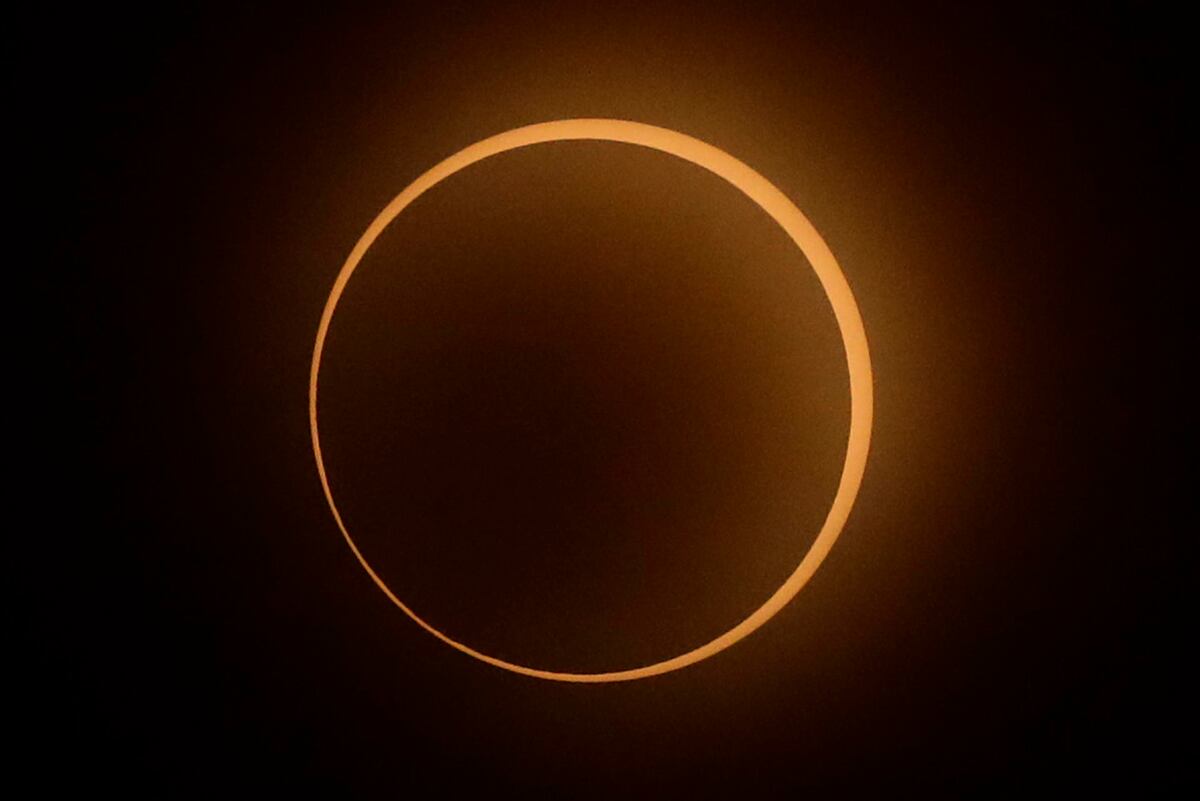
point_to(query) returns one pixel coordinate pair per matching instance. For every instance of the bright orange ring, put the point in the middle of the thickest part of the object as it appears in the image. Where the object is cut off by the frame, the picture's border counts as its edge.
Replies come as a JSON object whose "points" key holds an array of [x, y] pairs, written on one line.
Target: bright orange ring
{"points": [[797, 226]]}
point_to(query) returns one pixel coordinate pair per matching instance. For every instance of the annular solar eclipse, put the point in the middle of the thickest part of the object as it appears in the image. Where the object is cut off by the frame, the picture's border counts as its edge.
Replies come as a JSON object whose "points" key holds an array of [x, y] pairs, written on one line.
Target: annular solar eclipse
{"points": [[785, 214]]}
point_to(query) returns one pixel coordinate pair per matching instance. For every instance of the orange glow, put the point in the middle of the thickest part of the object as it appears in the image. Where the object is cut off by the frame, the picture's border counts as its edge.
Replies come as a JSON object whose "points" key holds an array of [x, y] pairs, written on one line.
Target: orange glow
{"points": [[793, 222]]}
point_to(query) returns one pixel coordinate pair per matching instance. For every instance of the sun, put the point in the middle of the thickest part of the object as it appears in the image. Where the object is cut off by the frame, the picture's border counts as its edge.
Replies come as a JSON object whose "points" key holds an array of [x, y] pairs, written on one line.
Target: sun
{"points": [[797, 227]]}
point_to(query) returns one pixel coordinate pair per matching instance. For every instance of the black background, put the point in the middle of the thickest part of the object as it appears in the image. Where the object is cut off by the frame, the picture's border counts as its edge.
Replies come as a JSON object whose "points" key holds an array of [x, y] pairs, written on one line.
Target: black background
{"points": [[1003, 188]]}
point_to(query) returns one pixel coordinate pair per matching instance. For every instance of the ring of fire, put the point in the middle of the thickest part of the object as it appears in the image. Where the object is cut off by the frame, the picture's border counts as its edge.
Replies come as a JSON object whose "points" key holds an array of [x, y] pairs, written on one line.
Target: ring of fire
{"points": [[797, 227]]}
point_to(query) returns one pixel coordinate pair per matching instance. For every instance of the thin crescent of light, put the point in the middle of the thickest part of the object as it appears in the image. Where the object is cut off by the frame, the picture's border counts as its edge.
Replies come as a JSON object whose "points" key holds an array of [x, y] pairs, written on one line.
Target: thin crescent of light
{"points": [[793, 222]]}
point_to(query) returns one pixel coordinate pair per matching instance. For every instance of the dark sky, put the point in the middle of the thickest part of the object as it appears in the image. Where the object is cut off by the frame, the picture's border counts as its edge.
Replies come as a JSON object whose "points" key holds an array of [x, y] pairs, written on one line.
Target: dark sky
{"points": [[586, 406]]}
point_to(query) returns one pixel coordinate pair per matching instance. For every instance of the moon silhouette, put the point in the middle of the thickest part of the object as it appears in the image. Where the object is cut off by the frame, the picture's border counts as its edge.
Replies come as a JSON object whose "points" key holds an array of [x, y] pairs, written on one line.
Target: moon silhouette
{"points": [[797, 227]]}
